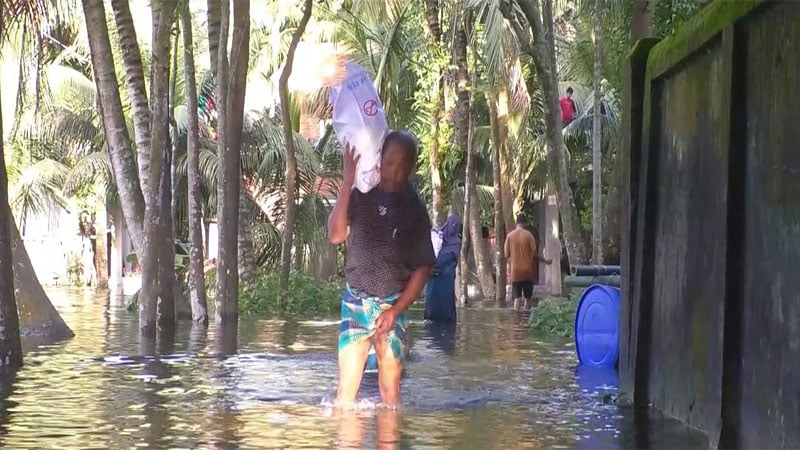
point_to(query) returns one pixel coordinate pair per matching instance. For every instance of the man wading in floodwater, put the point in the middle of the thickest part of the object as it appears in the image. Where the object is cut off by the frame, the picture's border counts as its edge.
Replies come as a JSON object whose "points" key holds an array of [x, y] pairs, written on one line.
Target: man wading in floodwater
{"points": [[389, 259]]}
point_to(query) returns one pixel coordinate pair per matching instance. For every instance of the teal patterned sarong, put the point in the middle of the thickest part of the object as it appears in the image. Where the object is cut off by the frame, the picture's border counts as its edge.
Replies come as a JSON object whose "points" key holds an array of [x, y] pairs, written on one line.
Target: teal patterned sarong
{"points": [[359, 312]]}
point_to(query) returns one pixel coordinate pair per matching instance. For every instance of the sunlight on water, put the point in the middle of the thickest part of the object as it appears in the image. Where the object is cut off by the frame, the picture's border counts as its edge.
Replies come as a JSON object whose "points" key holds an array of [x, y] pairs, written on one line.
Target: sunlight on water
{"points": [[483, 384]]}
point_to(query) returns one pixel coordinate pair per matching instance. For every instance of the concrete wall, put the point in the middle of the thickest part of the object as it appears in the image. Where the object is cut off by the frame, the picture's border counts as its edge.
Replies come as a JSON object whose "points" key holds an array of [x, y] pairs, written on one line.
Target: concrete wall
{"points": [[711, 311]]}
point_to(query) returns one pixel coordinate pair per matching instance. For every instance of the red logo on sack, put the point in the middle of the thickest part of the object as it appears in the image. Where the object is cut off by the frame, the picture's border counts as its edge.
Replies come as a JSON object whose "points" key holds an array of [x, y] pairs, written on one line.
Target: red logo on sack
{"points": [[370, 107]]}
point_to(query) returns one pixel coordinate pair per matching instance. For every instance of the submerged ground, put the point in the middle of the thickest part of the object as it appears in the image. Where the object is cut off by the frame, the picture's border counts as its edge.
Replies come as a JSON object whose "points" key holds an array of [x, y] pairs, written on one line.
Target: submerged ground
{"points": [[484, 384]]}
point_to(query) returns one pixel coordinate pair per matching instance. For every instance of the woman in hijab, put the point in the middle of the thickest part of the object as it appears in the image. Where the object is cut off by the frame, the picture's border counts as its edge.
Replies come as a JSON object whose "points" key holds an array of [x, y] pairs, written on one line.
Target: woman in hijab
{"points": [[440, 294]]}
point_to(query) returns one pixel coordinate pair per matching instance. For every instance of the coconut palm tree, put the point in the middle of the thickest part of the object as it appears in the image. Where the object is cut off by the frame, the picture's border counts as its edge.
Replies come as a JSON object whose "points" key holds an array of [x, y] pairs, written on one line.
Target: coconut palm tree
{"points": [[197, 285], [15, 268], [291, 159], [36, 312], [536, 41]]}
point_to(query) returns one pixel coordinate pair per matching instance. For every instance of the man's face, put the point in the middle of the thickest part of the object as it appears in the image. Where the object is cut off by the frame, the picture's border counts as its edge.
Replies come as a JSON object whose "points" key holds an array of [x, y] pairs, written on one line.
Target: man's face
{"points": [[396, 165], [569, 94]]}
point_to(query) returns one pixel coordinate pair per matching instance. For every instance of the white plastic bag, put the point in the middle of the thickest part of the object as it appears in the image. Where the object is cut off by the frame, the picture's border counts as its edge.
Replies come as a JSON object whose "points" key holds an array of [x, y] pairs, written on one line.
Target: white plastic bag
{"points": [[359, 119]]}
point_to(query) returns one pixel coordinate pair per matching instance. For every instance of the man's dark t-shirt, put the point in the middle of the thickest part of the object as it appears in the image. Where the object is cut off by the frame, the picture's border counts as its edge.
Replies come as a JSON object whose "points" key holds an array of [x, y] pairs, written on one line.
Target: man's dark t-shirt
{"points": [[390, 237]]}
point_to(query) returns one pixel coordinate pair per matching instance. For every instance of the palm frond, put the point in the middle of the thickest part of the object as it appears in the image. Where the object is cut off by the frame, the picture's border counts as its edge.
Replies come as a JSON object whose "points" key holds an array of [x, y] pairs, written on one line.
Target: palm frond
{"points": [[92, 168], [18, 12], [38, 189], [69, 88], [485, 194], [66, 134]]}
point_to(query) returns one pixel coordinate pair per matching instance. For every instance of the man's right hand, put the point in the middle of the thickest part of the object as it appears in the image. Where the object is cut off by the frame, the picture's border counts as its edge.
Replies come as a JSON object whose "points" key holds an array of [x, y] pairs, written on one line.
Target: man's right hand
{"points": [[350, 164]]}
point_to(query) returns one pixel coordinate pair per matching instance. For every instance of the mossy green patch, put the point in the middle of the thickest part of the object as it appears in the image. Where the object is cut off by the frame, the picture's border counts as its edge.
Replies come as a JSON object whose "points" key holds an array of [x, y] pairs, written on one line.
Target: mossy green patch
{"points": [[697, 32]]}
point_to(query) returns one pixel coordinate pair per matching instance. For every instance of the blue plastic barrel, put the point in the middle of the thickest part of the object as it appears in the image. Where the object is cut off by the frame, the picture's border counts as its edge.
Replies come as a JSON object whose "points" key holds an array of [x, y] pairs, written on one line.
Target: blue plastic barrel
{"points": [[597, 326]]}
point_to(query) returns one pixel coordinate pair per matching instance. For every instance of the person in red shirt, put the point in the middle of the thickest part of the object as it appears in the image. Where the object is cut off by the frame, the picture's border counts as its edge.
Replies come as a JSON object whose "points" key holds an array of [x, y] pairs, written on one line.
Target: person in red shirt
{"points": [[568, 108]]}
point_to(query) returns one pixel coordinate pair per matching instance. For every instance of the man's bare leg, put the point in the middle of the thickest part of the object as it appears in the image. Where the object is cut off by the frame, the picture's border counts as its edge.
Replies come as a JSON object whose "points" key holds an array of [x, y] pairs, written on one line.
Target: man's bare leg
{"points": [[352, 359], [389, 371]]}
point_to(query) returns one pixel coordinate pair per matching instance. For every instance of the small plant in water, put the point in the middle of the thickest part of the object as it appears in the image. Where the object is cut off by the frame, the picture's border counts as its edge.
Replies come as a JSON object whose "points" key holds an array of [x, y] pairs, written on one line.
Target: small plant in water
{"points": [[555, 316]]}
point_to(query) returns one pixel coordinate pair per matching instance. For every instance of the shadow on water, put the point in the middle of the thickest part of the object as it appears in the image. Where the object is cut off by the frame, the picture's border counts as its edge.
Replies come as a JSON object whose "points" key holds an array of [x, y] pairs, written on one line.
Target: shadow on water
{"points": [[483, 383]]}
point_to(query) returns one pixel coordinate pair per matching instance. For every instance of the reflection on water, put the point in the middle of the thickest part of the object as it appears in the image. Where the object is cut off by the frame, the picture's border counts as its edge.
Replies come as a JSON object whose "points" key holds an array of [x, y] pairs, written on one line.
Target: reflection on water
{"points": [[481, 384]]}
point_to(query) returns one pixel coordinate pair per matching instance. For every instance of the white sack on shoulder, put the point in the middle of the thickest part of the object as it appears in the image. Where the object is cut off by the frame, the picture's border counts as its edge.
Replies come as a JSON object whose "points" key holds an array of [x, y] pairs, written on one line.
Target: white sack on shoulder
{"points": [[359, 119]]}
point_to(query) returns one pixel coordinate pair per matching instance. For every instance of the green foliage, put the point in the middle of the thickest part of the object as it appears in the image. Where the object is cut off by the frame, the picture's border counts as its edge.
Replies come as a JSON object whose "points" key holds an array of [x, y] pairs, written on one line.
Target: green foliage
{"points": [[556, 316], [307, 297]]}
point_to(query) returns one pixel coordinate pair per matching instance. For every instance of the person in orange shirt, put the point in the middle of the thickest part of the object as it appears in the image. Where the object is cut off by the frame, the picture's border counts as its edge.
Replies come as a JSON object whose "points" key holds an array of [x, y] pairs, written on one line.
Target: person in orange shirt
{"points": [[523, 260]]}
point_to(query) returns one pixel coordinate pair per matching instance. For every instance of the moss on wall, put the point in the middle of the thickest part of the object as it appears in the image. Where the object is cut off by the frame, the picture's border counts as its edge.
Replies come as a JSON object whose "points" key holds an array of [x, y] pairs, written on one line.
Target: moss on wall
{"points": [[707, 24]]}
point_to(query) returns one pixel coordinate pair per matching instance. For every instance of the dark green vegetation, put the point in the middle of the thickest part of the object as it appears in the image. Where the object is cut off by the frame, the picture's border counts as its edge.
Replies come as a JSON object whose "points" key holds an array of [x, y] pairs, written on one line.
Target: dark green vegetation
{"points": [[556, 316], [306, 297]]}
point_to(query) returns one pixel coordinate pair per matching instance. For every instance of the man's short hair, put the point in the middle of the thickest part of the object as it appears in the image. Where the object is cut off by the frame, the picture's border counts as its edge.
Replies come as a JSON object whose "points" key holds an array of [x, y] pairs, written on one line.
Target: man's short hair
{"points": [[520, 219], [569, 90]]}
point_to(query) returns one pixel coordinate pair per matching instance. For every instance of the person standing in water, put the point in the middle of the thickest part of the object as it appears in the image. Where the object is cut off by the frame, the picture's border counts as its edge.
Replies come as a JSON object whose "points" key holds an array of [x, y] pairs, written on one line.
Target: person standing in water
{"points": [[523, 260], [440, 293], [389, 256]]}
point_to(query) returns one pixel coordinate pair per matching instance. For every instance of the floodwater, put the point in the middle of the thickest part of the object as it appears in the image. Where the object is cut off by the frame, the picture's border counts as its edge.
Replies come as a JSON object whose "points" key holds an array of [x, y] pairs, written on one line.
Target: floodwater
{"points": [[484, 384]]}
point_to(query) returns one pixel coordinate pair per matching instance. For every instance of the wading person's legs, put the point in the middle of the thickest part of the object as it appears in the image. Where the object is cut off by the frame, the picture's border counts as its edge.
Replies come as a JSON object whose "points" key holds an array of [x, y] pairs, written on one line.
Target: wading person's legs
{"points": [[390, 368], [351, 368], [517, 294], [527, 293]]}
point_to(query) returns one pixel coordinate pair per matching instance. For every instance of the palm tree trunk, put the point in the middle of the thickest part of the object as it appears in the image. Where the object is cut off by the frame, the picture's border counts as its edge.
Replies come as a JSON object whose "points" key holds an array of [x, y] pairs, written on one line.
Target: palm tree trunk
{"points": [[480, 251], [173, 128], [227, 282], [439, 210], [247, 259], [115, 129], [134, 78], [182, 308], [153, 296], [291, 159], [166, 266], [10, 344], [506, 172], [642, 20], [37, 316], [597, 139], [214, 15], [197, 283], [499, 221], [542, 51], [232, 94], [435, 31], [464, 140]]}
